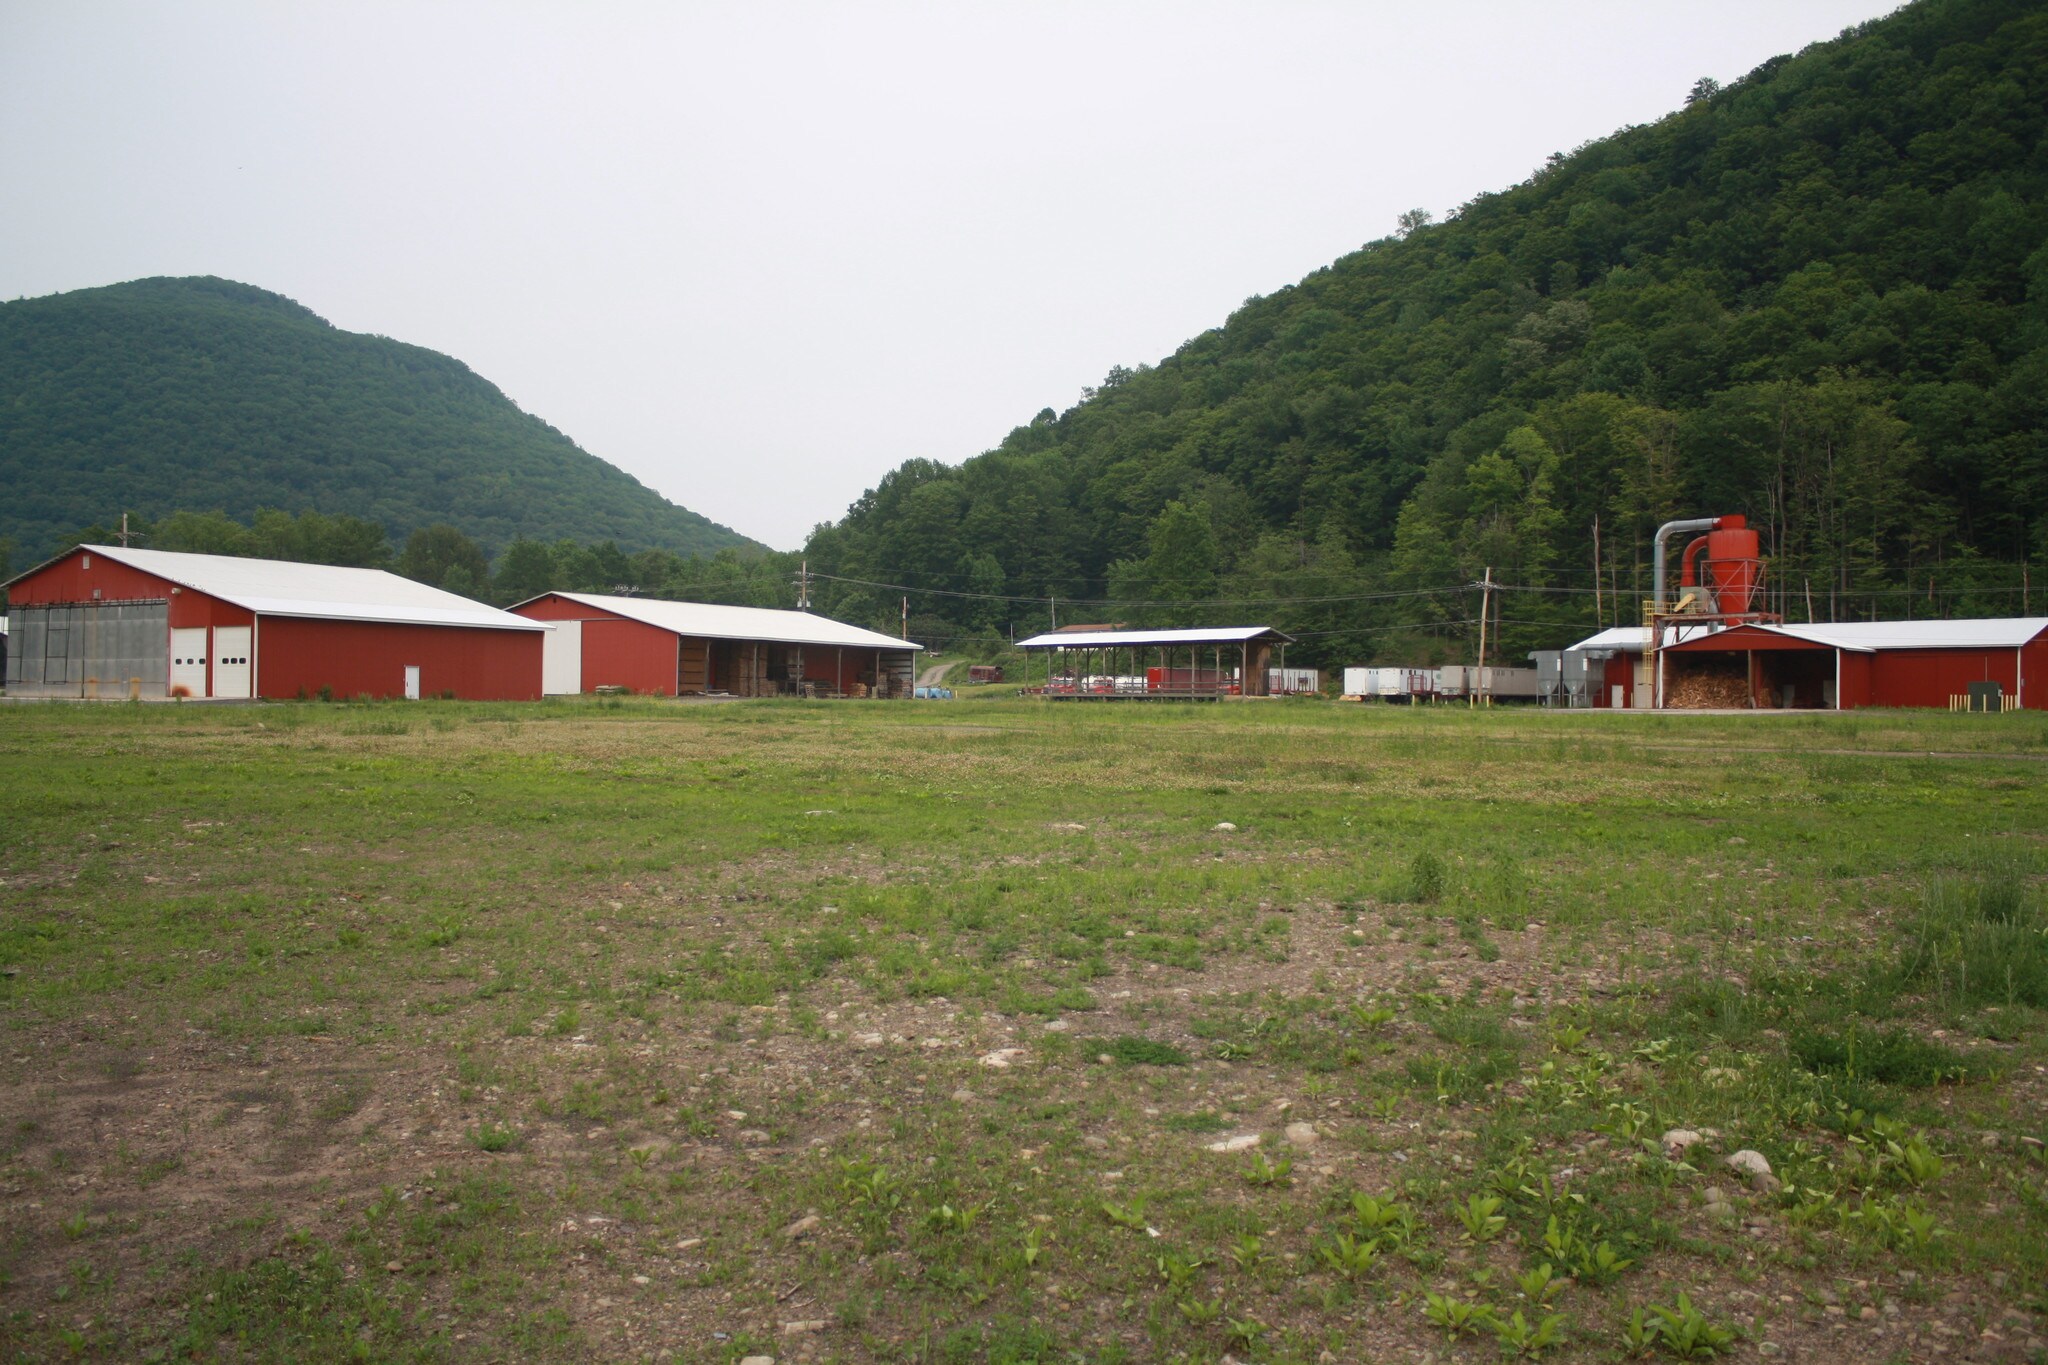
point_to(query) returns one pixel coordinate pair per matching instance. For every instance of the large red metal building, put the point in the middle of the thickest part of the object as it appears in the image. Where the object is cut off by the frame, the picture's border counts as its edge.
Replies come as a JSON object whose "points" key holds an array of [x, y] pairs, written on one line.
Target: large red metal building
{"points": [[1839, 665], [108, 621], [669, 649], [1848, 664]]}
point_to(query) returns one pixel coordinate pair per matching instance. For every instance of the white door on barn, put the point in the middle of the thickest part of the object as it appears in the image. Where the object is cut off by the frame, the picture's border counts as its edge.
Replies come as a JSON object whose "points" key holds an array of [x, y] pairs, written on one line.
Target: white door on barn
{"points": [[232, 670], [561, 659], [412, 682], [188, 662]]}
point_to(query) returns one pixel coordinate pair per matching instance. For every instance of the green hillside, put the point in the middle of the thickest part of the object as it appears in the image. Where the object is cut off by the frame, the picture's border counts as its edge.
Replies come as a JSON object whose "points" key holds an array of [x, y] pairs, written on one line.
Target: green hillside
{"points": [[1817, 296], [202, 394]]}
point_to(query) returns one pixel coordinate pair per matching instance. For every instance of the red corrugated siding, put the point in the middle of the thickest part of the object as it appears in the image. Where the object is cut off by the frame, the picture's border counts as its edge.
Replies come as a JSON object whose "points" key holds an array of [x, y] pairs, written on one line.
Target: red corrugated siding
{"points": [[1855, 686], [1929, 677], [355, 658], [837, 665], [616, 652], [1738, 639], [1619, 670], [2034, 675], [70, 580], [554, 608], [628, 654]]}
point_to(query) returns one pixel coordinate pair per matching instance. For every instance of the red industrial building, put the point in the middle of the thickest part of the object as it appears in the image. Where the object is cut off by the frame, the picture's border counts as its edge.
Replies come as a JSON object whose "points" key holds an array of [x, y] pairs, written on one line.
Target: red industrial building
{"points": [[1840, 665], [1849, 664], [1709, 646], [669, 649], [108, 621]]}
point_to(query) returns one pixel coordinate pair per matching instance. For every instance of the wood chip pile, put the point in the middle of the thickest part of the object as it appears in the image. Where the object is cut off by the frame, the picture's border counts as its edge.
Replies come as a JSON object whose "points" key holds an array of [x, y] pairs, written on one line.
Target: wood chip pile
{"points": [[1706, 691]]}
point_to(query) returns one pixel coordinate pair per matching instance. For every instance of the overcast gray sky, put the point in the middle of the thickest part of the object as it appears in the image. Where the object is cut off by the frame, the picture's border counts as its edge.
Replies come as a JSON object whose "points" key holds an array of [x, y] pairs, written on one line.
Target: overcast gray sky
{"points": [[758, 254]]}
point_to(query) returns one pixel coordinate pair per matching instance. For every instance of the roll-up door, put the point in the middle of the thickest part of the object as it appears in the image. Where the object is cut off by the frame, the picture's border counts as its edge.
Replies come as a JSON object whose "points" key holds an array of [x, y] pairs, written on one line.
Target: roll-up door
{"points": [[232, 662], [188, 661]]}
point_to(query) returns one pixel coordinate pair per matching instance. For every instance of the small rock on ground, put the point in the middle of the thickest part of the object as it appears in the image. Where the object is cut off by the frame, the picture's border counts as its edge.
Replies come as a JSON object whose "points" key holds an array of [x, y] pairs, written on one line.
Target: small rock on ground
{"points": [[1302, 1134], [1754, 1167], [1236, 1144], [1678, 1141], [803, 1227]]}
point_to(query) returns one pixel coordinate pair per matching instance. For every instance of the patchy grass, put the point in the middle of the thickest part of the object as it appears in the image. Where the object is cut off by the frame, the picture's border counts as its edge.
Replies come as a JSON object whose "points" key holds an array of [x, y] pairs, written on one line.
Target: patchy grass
{"points": [[477, 1032]]}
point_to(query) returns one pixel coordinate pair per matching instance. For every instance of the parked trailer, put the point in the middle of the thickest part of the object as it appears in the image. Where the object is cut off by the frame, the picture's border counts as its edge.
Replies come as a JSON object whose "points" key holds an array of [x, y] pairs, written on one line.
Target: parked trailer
{"points": [[1389, 684], [1512, 684], [1459, 682]]}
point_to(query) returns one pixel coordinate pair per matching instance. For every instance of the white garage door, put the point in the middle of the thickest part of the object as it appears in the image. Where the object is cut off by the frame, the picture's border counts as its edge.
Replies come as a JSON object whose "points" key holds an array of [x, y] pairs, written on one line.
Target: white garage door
{"points": [[233, 669], [188, 661]]}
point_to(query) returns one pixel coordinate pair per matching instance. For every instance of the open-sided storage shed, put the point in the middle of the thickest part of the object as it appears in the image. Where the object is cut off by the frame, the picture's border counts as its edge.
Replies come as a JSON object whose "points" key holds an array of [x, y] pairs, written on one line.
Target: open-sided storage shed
{"points": [[1193, 664], [109, 621], [669, 649]]}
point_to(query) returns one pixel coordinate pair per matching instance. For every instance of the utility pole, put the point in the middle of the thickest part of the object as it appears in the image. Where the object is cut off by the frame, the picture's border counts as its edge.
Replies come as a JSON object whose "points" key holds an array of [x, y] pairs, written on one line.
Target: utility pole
{"points": [[1599, 616], [124, 530], [906, 618], [1054, 602], [1485, 606], [803, 584]]}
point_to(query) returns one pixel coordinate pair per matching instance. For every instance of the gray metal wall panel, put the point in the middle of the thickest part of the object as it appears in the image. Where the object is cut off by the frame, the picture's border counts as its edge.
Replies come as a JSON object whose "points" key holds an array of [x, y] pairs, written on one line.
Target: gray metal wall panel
{"points": [[58, 649]]}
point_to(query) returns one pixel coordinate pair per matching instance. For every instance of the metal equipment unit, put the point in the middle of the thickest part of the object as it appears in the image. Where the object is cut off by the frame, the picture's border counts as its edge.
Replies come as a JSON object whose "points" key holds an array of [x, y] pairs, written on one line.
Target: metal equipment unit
{"points": [[1293, 682], [1562, 677], [1717, 597]]}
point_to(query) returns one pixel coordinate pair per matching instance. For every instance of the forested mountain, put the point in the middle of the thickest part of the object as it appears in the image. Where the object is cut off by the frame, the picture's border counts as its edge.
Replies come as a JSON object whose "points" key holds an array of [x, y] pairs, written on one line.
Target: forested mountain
{"points": [[1817, 296], [198, 395]]}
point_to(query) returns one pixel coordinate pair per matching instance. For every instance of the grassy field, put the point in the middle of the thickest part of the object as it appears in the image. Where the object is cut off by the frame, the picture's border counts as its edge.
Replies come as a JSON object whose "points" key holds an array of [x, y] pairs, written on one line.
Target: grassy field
{"points": [[994, 1030]]}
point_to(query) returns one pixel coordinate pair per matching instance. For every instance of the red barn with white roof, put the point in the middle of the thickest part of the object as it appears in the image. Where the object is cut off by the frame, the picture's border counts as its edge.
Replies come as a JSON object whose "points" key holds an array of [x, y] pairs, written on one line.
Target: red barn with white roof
{"points": [[1836, 666], [109, 621], [669, 649], [1848, 664]]}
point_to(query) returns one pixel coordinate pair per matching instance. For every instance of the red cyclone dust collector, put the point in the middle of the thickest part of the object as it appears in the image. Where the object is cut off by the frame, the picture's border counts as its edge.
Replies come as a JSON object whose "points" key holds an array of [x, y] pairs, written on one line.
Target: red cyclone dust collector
{"points": [[1734, 565]]}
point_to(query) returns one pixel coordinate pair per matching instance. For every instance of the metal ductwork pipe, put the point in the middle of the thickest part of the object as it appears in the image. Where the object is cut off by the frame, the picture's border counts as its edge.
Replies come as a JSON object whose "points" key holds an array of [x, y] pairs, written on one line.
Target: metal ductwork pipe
{"points": [[1664, 533]]}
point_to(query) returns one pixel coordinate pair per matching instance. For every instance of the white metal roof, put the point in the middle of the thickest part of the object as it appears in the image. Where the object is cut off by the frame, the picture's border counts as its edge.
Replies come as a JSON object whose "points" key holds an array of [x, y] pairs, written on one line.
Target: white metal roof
{"points": [[1636, 639], [711, 621], [1863, 637], [275, 587], [1118, 639]]}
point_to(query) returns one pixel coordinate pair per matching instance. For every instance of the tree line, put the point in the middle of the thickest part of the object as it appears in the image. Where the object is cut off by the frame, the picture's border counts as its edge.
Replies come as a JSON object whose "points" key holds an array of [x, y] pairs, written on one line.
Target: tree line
{"points": [[1816, 296]]}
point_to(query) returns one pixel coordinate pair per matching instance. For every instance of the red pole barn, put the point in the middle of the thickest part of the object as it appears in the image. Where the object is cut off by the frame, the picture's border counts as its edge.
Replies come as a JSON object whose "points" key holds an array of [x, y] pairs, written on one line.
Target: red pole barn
{"points": [[1999, 664], [677, 649], [108, 621]]}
